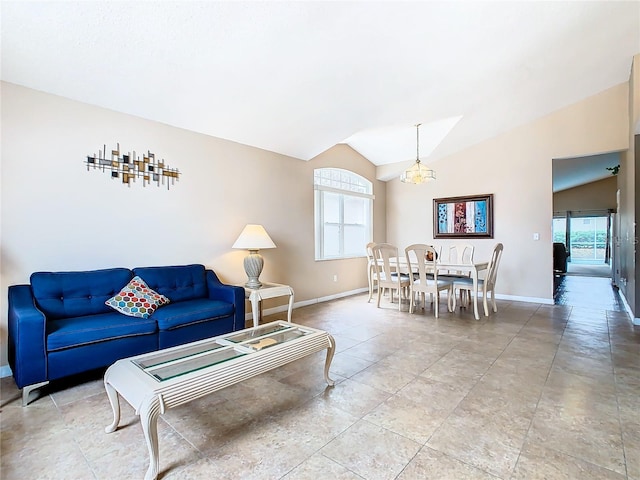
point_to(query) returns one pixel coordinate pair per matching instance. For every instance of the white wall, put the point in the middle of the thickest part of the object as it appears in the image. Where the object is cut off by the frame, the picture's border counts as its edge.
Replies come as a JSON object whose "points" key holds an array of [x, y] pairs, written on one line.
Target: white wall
{"points": [[56, 215], [516, 168]]}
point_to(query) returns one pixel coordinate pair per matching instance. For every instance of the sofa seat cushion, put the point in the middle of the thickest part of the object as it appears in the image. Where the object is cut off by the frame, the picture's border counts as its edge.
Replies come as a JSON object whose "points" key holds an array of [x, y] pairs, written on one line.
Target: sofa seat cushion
{"points": [[180, 314], [76, 331]]}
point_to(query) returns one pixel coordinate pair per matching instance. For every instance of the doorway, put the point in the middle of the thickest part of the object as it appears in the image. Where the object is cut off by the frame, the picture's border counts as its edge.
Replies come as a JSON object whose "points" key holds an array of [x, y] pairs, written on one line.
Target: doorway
{"points": [[587, 281], [587, 237]]}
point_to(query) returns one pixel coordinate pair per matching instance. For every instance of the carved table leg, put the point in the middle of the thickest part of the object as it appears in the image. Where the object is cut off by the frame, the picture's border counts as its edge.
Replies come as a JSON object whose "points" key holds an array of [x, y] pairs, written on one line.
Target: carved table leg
{"points": [[149, 419], [256, 309], [330, 351], [290, 305], [115, 406]]}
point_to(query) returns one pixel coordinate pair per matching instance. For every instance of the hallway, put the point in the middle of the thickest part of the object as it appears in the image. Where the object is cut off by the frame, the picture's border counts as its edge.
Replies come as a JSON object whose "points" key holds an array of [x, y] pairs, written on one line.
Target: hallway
{"points": [[586, 291]]}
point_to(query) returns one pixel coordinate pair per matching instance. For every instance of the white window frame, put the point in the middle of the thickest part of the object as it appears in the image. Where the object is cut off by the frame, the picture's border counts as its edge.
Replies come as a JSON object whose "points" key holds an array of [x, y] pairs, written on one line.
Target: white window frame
{"points": [[344, 183]]}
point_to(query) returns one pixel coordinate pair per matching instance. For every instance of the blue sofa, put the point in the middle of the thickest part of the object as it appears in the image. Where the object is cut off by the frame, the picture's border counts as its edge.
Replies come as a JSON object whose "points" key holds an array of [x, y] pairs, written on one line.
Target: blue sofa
{"points": [[59, 325]]}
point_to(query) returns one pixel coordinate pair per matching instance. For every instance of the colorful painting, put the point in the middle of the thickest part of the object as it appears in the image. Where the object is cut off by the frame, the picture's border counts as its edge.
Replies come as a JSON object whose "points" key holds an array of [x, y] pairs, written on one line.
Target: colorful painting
{"points": [[463, 217], [128, 167]]}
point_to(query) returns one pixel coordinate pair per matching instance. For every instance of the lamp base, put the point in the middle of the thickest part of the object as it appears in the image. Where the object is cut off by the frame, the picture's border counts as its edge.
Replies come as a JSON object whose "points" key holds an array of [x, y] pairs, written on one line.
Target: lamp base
{"points": [[253, 264]]}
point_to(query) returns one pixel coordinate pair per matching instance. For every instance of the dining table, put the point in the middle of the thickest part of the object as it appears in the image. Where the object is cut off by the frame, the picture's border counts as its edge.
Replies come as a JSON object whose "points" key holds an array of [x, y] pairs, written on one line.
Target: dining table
{"points": [[471, 268]]}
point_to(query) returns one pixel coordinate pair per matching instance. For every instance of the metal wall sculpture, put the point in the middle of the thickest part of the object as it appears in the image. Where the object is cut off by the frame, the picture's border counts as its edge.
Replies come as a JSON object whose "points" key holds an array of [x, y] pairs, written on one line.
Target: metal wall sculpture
{"points": [[129, 167]]}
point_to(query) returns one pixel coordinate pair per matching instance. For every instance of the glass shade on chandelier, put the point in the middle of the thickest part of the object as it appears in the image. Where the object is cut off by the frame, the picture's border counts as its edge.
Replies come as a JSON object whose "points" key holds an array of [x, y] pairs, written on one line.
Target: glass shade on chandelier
{"points": [[417, 173], [253, 238]]}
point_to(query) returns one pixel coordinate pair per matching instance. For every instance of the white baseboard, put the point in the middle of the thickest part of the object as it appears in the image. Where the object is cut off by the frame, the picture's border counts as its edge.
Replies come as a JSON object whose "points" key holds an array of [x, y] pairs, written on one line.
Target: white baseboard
{"points": [[517, 298], [635, 320], [5, 371], [312, 301]]}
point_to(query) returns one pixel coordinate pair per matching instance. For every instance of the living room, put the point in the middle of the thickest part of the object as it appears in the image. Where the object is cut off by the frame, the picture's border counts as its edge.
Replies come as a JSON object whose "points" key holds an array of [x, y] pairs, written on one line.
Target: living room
{"points": [[58, 215]]}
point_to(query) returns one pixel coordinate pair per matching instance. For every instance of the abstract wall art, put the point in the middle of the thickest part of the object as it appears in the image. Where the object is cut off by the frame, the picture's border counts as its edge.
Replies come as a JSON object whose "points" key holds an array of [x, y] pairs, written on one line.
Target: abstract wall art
{"points": [[129, 167], [463, 217]]}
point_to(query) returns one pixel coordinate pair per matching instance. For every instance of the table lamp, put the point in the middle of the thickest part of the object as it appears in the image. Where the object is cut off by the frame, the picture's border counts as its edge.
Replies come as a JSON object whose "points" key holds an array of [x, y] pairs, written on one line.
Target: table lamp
{"points": [[253, 238]]}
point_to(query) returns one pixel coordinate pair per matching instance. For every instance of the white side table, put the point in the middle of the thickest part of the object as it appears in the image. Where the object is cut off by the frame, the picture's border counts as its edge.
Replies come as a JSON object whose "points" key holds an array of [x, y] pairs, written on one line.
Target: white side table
{"points": [[267, 290]]}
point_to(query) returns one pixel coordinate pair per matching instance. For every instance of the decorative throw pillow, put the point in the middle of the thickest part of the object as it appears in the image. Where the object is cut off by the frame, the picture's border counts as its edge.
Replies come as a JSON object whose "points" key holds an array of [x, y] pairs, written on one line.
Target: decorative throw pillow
{"points": [[136, 299]]}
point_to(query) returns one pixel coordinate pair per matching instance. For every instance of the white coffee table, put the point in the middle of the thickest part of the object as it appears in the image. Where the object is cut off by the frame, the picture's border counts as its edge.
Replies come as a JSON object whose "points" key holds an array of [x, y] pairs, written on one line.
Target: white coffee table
{"points": [[154, 382]]}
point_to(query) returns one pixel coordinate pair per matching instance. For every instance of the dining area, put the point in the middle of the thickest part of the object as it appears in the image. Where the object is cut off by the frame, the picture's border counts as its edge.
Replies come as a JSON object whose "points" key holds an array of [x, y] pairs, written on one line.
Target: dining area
{"points": [[409, 274]]}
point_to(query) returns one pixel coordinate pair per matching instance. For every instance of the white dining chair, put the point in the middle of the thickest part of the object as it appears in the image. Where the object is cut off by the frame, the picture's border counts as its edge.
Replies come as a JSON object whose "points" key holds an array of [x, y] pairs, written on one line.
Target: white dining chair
{"points": [[387, 271], [461, 253], [425, 276], [371, 266], [487, 284]]}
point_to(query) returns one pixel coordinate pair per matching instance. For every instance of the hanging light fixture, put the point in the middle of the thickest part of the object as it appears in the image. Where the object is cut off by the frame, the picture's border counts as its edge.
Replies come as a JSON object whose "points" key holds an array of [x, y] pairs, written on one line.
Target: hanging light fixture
{"points": [[417, 173]]}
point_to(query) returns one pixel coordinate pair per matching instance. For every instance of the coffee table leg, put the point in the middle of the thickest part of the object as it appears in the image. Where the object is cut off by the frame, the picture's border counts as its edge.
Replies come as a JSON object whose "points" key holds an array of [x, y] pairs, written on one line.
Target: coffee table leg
{"points": [[149, 413], [330, 351], [115, 406]]}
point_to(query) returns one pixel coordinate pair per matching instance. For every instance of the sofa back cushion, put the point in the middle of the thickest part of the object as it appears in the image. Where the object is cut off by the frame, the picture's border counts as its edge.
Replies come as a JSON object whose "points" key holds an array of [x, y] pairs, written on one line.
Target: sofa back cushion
{"points": [[177, 283], [75, 294]]}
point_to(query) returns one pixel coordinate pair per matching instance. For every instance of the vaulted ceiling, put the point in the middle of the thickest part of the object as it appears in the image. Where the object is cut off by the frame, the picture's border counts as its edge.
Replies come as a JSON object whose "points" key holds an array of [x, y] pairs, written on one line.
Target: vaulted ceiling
{"points": [[299, 77]]}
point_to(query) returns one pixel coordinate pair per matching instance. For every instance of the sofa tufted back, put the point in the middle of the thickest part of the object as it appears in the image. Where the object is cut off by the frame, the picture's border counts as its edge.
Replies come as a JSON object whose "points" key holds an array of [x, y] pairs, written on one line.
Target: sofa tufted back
{"points": [[177, 283], [74, 294]]}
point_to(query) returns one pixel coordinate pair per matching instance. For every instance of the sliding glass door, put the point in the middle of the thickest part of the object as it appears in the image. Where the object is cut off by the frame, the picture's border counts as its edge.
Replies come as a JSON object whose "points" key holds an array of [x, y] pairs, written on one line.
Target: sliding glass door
{"points": [[588, 240], [587, 236]]}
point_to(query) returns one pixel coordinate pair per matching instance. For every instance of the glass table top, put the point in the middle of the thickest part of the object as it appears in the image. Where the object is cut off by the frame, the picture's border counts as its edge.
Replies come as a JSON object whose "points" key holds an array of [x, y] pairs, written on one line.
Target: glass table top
{"points": [[165, 365]]}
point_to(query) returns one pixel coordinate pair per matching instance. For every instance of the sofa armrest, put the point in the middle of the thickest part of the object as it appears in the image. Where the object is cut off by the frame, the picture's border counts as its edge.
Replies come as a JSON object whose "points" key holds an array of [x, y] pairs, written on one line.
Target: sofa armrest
{"points": [[228, 293], [27, 337]]}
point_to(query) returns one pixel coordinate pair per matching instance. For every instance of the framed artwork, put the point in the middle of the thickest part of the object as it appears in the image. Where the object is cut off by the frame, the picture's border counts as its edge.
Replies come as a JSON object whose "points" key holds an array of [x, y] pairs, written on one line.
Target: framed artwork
{"points": [[463, 217]]}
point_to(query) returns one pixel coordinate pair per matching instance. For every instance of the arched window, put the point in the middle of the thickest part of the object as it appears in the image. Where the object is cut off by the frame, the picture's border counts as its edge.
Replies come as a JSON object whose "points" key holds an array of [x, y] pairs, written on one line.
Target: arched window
{"points": [[343, 213]]}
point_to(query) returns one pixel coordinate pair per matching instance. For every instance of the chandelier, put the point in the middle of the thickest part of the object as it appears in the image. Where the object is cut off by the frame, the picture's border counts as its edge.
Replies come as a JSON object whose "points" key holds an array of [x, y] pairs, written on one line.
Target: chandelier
{"points": [[417, 173]]}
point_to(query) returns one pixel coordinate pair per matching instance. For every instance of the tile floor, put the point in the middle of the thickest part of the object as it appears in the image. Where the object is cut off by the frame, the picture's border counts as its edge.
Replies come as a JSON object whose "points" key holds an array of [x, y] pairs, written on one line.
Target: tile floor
{"points": [[579, 290], [532, 392]]}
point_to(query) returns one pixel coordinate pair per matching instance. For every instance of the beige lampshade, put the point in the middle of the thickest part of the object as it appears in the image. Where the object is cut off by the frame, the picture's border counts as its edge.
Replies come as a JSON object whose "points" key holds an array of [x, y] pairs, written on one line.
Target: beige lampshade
{"points": [[254, 237]]}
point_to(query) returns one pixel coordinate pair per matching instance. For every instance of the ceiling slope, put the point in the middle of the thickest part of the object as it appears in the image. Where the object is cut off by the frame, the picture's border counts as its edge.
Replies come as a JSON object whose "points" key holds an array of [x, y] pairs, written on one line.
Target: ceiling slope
{"points": [[299, 77]]}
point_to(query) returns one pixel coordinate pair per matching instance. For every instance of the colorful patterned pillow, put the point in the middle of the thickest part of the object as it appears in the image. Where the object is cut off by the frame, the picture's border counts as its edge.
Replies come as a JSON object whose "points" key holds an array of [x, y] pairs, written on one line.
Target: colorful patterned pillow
{"points": [[136, 299]]}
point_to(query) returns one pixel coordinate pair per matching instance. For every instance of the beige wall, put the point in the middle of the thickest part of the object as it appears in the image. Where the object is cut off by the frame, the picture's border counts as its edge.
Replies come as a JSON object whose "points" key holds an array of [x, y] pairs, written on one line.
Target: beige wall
{"points": [[628, 202], [56, 215], [516, 168], [600, 195]]}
